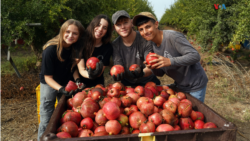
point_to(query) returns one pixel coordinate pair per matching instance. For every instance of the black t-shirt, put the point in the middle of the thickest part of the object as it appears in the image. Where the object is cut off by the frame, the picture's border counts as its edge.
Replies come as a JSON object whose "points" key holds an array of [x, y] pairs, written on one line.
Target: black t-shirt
{"points": [[103, 53], [51, 65]]}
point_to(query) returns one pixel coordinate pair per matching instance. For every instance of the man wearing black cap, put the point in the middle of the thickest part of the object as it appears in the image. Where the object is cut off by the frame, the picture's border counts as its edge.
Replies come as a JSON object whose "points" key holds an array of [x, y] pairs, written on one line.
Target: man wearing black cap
{"points": [[176, 56], [128, 49]]}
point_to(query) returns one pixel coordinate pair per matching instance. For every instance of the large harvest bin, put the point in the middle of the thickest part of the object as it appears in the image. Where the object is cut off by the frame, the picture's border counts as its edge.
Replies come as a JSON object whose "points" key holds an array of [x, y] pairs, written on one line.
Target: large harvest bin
{"points": [[226, 130]]}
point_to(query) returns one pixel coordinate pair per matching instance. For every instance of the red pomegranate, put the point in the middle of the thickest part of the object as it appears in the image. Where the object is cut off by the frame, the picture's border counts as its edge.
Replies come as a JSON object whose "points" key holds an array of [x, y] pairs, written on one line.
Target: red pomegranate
{"points": [[129, 90], [127, 111], [123, 120], [96, 96], [159, 100], [142, 100], [77, 109], [198, 124], [113, 127], [209, 125], [156, 110], [195, 115], [126, 101], [125, 130], [78, 99], [69, 127], [186, 123], [184, 109], [165, 87], [122, 93], [147, 127], [113, 92], [117, 69], [87, 123], [73, 116], [135, 131], [119, 86], [136, 119], [150, 58], [69, 103], [148, 93], [111, 110], [63, 135], [134, 97], [150, 84], [167, 116], [71, 86], [100, 129], [133, 108], [99, 86], [169, 105], [156, 118], [188, 101], [91, 62], [164, 128], [105, 100], [85, 133], [135, 67], [95, 125], [170, 91], [153, 89], [176, 101], [147, 108], [116, 100], [177, 127], [139, 90], [181, 96], [89, 108], [164, 94]]}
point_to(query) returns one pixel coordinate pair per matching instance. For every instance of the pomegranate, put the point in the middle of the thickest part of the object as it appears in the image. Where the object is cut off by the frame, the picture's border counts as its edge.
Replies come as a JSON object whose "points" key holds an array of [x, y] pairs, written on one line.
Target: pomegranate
{"points": [[123, 120], [142, 100], [69, 127], [77, 109], [136, 119], [195, 115], [85, 133], [117, 69], [153, 89], [176, 101], [129, 90], [159, 88], [198, 124], [133, 108], [209, 125], [63, 135], [126, 101], [91, 62], [73, 116], [148, 93], [116, 100], [186, 123], [127, 111], [150, 58], [188, 101], [100, 129], [71, 86], [177, 127], [156, 118], [111, 110], [87, 123], [122, 93], [78, 99], [181, 96], [96, 96], [139, 90], [184, 109], [135, 67], [119, 86], [170, 91], [99, 86], [147, 127], [164, 128], [135, 131], [113, 127], [147, 108], [169, 105], [105, 100], [95, 125], [164, 94], [134, 97], [165, 87], [156, 110], [88, 108], [125, 130], [168, 117], [113, 92], [159, 100], [69, 103], [150, 84]]}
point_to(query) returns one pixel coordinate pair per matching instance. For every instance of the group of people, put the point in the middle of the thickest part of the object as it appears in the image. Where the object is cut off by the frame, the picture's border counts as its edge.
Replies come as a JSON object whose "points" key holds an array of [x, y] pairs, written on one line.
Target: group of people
{"points": [[64, 57]]}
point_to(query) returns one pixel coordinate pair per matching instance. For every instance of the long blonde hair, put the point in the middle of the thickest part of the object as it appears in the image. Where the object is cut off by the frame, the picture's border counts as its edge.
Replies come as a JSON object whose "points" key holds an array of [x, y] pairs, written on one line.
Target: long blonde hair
{"points": [[58, 40]]}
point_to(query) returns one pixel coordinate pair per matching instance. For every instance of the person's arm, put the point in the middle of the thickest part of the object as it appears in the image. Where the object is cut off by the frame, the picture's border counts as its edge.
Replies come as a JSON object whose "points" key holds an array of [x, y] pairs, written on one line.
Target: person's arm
{"points": [[51, 82], [82, 68]]}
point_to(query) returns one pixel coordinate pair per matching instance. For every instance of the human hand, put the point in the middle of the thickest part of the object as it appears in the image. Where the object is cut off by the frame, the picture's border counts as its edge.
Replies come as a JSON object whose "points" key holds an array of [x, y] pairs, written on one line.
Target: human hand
{"points": [[63, 91], [95, 73], [159, 63], [119, 77], [136, 73]]}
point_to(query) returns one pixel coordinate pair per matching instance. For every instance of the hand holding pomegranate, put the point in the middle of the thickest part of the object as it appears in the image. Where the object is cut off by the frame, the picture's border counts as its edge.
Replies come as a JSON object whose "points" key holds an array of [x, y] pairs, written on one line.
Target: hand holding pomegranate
{"points": [[155, 61], [95, 71], [135, 71], [117, 72]]}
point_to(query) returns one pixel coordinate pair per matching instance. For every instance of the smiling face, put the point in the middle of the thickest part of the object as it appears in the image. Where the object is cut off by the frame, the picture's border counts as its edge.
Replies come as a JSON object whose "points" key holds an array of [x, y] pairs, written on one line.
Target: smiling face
{"points": [[101, 29], [123, 27], [71, 35], [148, 30]]}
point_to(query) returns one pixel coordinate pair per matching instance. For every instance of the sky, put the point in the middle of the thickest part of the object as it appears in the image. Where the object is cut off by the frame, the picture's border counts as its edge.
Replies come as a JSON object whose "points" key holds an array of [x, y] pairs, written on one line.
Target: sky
{"points": [[159, 6]]}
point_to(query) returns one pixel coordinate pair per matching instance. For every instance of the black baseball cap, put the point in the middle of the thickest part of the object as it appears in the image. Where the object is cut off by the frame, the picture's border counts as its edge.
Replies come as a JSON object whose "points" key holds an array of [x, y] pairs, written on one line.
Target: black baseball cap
{"points": [[118, 14]]}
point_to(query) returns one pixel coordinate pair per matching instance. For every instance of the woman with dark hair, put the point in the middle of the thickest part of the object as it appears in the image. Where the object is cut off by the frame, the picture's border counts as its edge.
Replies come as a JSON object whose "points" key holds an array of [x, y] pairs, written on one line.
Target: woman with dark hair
{"points": [[96, 44], [56, 69]]}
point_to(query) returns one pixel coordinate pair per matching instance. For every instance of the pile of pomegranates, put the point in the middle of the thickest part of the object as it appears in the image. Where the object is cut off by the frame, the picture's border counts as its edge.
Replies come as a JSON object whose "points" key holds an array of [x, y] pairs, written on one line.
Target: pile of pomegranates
{"points": [[117, 109]]}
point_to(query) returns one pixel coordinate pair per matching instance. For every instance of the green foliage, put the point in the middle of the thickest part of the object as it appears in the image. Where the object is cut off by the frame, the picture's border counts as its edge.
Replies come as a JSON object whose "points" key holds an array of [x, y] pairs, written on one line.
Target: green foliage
{"points": [[52, 13], [212, 27]]}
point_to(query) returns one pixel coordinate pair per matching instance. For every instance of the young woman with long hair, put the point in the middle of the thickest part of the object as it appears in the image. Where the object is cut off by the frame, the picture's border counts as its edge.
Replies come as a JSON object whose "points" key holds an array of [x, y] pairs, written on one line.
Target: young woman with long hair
{"points": [[56, 68], [96, 44]]}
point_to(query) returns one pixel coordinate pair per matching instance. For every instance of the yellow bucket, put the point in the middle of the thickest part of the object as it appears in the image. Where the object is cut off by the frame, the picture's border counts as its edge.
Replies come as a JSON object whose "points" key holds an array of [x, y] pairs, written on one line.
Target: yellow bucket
{"points": [[38, 102]]}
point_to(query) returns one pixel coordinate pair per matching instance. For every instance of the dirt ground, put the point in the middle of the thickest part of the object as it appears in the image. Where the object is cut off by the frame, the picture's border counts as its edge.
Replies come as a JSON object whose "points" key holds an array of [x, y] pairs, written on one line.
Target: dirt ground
{"points": [[19, 121]]}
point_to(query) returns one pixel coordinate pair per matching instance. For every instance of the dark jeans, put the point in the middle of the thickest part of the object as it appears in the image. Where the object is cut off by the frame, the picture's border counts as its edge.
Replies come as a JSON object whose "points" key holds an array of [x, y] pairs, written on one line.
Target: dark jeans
{"points": [[126, 83]]}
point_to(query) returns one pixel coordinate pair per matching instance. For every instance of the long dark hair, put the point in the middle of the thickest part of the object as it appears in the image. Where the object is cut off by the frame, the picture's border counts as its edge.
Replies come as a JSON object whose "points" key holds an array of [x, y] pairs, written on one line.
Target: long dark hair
{"points": [[90, 35], [58, 40]]}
